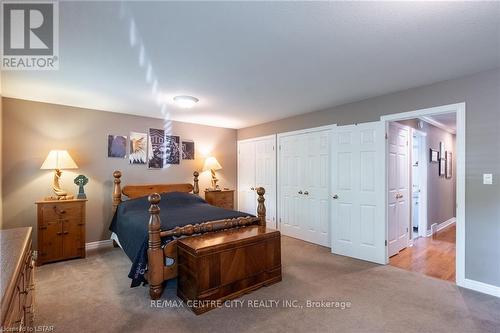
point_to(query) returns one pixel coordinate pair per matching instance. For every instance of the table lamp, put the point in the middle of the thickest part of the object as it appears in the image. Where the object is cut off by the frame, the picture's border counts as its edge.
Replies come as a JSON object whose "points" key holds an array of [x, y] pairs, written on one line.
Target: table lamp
{"points": [[212, 164], [58, 160]]}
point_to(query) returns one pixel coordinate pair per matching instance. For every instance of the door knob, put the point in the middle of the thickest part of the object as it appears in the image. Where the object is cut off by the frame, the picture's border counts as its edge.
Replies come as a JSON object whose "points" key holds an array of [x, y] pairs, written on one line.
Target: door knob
{"points": [[306, 193], [335, 196], [300, 192]]}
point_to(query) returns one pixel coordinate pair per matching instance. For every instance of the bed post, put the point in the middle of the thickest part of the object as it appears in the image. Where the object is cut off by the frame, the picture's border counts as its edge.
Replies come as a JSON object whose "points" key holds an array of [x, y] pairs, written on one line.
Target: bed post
{"points": [[196, 188], [155, 253], [261, 208], [117, 190]]}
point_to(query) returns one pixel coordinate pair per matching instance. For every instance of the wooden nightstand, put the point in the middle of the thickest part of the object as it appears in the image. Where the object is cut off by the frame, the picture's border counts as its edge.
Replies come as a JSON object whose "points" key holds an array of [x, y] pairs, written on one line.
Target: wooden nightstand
{"points": [[222, 199], [61, 230]]}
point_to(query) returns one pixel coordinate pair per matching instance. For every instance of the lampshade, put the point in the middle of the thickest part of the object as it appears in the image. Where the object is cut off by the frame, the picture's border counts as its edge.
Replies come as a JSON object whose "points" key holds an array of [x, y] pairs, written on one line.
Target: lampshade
{"points": [[58, 159], [211, 163]]}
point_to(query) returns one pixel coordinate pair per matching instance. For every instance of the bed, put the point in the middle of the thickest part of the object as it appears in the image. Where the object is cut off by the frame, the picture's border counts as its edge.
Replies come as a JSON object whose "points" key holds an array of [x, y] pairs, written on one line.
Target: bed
{"points": [[173, 211]]}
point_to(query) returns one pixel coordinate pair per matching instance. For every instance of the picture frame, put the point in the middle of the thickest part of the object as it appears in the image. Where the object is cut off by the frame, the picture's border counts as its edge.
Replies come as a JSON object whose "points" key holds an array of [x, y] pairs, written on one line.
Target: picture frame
{"points": [[449, 165], [117, 146], [188, 152], [442, 166], [433, 155], [442, 153]]}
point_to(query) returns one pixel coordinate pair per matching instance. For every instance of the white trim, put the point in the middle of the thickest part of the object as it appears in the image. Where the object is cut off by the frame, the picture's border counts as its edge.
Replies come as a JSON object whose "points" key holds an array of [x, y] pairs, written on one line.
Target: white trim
{"points": [[446, 223], [307, 130], [481, 287], [99, 244], [422, 213], [441, 226], [459, 108], [438, 124], [266, 137]]}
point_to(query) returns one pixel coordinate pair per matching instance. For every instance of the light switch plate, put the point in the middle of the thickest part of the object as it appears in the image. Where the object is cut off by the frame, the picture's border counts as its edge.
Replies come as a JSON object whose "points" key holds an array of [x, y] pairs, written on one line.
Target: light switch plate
{"points": [[487, 178]]}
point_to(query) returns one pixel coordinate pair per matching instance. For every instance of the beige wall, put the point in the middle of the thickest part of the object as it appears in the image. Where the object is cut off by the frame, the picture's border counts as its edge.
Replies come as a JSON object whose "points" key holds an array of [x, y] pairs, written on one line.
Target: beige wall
{"points": [[481, 94], [1, 177], [31, 129]]}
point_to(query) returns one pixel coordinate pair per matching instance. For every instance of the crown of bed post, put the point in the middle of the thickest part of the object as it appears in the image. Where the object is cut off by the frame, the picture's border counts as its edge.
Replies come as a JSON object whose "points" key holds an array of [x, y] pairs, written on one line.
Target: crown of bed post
{"points": [[155, 253], [261, 207], [117, 190], [196, 188]]}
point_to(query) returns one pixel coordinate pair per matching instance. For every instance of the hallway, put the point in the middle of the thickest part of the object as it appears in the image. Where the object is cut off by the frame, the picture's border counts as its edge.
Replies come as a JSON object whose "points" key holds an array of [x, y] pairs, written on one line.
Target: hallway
{"points": [[433, 256]]}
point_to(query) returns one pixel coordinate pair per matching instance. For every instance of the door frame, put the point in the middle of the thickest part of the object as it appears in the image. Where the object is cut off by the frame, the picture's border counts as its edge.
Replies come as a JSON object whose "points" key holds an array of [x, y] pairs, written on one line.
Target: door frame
{"points": [[266, 137], [459, 109], [422, 169], [278, 149]]}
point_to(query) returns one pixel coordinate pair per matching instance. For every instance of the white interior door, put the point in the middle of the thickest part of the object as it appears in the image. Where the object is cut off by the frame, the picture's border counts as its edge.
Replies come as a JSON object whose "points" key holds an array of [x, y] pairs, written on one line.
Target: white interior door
{"points": [[247, 201], [265, 175], [358, 210], [304, 186], [398, 195], [316, 188], [291, 170]]}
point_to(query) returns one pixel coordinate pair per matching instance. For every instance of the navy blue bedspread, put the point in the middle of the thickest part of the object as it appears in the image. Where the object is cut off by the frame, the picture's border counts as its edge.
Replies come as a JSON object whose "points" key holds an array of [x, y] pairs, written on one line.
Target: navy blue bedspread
{"points": [[130, 224]]}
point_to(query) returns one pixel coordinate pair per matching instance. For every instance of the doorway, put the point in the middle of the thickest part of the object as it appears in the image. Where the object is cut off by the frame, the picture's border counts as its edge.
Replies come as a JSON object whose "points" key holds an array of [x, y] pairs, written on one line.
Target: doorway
{"points": [[424, 191]]}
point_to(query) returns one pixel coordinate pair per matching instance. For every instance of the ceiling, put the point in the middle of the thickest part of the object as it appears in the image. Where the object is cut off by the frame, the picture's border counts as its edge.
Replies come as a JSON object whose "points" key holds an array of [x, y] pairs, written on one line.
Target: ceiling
{"points": [[446, 121], [253, 62]]}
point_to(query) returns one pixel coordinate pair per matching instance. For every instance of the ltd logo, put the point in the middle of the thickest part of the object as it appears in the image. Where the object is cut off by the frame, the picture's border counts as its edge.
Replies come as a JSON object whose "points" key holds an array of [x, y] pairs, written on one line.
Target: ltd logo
{"points": [[30, 35]]}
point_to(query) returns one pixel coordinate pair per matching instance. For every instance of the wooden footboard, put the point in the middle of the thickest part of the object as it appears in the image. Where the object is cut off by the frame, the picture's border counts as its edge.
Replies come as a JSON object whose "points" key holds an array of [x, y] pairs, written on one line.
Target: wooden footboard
{"points": [[158, 270]]}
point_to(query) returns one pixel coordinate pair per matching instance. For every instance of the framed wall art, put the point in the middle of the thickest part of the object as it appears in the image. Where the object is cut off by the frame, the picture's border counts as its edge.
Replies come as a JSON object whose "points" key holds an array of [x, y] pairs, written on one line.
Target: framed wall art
{"points": [[117, 146], [449, 164], [138, 146], [433, 155]]}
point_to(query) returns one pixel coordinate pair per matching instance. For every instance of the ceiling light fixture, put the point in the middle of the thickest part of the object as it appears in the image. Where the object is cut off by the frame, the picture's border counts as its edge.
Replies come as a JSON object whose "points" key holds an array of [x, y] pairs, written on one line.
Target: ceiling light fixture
{"points": [[185, 102]]}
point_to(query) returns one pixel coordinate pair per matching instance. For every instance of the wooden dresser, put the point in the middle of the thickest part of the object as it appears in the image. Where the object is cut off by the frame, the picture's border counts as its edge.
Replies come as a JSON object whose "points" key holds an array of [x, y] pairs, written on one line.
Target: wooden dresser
{"points": [[219, 266], [61, 230], [222, 199], [17, 283]]}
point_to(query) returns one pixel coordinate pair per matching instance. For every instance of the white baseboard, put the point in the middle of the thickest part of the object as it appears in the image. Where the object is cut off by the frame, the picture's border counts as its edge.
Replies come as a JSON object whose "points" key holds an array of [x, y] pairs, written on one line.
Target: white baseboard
{"points": [[99, 244], [480, 287], [442, 225]]}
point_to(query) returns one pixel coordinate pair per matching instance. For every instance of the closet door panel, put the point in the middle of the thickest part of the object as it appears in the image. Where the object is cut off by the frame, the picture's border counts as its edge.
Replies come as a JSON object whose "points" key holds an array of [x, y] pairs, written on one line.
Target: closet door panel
{"points": [[265, 175], [304, 177], [247, 199]]}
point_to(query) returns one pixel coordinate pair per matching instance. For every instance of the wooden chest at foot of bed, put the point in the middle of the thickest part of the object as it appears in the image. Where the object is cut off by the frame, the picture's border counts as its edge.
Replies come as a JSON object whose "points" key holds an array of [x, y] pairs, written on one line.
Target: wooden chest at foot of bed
{"points": [[219, 266]]}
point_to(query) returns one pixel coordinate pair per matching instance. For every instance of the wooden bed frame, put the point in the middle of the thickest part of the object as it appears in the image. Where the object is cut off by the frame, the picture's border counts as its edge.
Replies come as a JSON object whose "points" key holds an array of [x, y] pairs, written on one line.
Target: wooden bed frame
{"points": [[158, 271]]}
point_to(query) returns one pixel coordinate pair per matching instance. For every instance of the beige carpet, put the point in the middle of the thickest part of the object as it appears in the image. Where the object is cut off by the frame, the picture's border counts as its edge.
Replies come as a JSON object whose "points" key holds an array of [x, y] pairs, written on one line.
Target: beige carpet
{"points": [[93, 295]]}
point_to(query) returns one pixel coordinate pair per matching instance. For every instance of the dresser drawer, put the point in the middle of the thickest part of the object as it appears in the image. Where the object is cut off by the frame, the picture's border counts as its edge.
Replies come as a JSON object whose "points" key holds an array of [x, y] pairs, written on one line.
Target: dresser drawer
{"points": [[57, 211], [222, 199]]}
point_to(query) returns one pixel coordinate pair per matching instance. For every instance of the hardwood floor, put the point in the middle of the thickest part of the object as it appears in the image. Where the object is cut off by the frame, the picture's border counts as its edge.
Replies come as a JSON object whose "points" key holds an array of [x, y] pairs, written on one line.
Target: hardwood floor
{"points": [[433, 256]]}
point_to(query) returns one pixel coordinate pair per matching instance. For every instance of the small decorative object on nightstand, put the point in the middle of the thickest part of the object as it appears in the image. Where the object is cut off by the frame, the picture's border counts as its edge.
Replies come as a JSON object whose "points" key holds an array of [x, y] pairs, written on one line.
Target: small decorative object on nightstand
{"points": [[212, 164], [222, 199], [58, 160], [61, 230], [81, 181]]}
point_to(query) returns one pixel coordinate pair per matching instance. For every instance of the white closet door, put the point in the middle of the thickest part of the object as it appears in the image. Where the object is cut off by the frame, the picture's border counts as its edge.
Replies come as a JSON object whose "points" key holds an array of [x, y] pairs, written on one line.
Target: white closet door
{"points": [[265, 175], [316, 186], [398, 208], [304, 186], [291, 170], [358, 211], [247, 200]]}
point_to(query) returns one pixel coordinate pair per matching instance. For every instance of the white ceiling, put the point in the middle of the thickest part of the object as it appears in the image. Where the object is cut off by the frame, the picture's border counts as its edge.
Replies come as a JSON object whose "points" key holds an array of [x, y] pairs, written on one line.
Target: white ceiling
{"points": [[250, 63], [447, 121]]}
